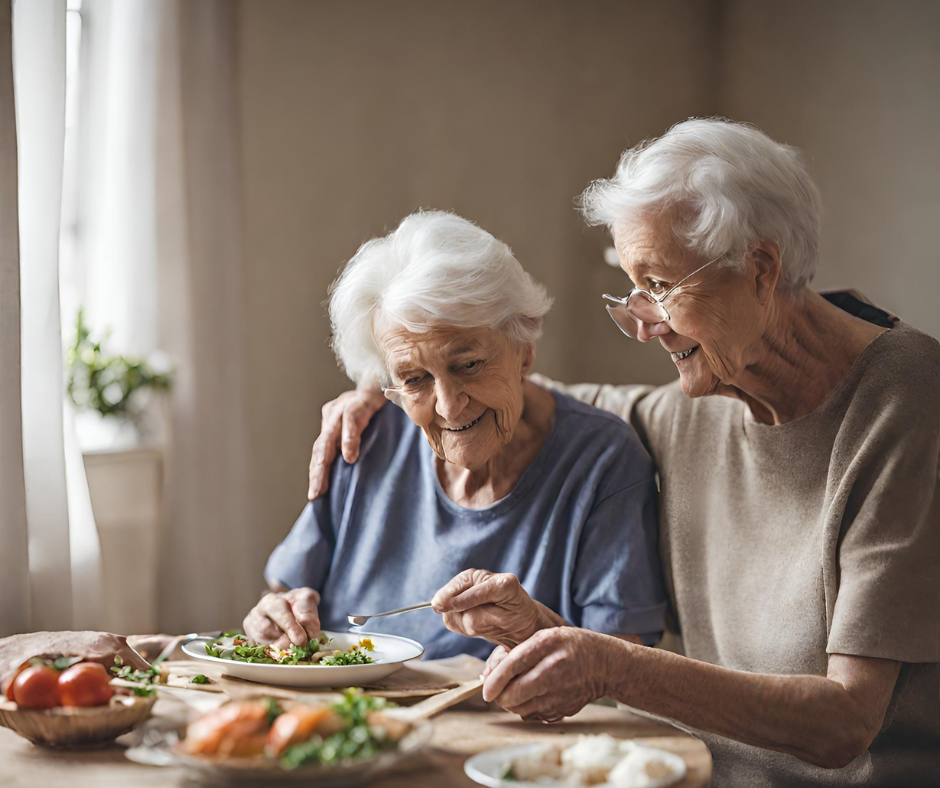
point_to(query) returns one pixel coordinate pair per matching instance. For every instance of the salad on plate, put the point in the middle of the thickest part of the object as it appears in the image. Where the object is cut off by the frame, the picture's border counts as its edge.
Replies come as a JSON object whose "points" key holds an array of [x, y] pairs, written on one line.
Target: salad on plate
{"points": [[239, 648]]}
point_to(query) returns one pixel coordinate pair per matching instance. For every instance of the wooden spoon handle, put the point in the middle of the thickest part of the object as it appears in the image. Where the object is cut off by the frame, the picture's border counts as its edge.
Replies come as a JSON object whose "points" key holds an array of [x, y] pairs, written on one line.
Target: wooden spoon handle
{"points": [[437, 703]]}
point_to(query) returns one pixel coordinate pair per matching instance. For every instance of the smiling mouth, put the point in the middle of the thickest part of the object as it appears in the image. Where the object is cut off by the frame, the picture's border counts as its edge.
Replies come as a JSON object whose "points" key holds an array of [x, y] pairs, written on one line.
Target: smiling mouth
{"points": [[685, 353], [466, 426]]}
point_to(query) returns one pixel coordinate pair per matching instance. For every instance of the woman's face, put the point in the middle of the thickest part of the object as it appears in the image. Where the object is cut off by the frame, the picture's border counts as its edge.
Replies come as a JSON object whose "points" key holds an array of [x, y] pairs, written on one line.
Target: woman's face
{"points": [[719, 314], [468, 388]]}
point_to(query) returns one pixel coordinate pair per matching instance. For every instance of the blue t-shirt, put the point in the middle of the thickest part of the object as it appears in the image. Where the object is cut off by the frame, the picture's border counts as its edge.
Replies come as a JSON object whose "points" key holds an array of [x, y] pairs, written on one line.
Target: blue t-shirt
{"points": [[578, 530]]}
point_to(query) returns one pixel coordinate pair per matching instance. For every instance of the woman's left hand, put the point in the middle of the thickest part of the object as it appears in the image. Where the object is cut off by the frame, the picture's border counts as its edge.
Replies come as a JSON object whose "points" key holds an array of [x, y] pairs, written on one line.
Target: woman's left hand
{"points": [[552, 675], [481, 604]]}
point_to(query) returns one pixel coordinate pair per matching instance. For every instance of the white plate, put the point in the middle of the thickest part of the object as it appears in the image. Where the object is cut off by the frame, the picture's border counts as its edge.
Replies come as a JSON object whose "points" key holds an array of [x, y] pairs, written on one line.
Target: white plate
{"points": [[391, 652], [270, 773], [485, 768]]}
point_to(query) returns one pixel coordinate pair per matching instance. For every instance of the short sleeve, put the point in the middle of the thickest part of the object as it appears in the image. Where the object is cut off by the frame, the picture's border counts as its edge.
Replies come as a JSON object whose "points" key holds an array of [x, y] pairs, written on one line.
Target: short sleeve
{"points": [[303, 559], [888, 557], [617, 587]]}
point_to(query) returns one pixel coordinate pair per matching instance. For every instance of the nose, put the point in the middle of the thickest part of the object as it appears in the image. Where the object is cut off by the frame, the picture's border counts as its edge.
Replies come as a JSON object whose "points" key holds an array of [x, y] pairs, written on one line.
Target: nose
{"points": [[646, 331], [451, 402]]}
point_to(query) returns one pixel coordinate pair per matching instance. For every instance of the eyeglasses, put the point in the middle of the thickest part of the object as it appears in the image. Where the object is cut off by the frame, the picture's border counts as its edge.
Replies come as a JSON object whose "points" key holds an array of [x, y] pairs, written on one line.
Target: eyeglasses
{"points": [[640, 305], [412, 389]]}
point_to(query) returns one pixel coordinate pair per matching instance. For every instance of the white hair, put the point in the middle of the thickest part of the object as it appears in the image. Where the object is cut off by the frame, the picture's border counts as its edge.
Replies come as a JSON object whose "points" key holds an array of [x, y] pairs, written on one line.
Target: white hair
{"points": [[435, 269], [725, 186]]}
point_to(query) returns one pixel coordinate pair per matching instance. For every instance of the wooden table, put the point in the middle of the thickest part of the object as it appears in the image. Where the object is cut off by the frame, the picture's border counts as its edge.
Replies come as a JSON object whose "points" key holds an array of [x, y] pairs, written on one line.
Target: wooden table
{"points": [[458, 734]]}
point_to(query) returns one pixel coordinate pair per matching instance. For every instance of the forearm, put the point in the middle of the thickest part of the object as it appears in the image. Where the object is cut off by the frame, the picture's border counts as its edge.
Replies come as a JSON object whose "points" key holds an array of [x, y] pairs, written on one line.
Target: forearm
{"points": [[811, 717]]}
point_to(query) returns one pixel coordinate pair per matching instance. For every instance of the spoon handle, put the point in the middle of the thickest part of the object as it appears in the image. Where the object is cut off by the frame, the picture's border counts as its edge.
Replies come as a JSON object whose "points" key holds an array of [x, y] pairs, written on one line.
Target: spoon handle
{"points": [[359, 620]]}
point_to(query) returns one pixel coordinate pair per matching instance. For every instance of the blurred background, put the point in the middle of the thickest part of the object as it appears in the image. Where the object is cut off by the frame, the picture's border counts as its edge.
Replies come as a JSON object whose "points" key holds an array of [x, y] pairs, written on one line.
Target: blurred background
{"points": [[223, 158]]}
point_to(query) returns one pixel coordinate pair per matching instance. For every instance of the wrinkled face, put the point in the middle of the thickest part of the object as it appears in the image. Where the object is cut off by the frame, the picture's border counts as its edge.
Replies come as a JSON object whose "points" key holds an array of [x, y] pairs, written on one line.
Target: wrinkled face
{"points": [[716, 314], [467, 388]]}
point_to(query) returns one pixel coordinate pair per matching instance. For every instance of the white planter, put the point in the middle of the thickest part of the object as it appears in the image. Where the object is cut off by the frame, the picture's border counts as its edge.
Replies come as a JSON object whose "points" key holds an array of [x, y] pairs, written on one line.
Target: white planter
{"points": [[125, 486]]}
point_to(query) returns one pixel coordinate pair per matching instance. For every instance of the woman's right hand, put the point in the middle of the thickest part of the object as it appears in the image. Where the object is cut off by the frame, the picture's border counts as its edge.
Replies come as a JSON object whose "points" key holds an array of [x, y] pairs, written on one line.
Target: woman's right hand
{"points": [[343, 421], [285, 618], [481, 604]]}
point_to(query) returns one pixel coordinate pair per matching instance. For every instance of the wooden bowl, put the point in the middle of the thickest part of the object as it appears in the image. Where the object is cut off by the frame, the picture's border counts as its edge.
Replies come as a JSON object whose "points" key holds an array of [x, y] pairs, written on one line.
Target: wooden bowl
{"points": [[67, 726]]}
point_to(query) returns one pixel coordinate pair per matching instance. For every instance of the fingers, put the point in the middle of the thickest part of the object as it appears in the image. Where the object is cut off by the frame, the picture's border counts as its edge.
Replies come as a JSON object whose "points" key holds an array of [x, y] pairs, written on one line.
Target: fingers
{"points": [[520, 660], [499, 654], [494, 590], [343, 421], [355, 417], [324, 450], [260, 628], [303, 603], [278, 609], [442, 602], [538, 709]]}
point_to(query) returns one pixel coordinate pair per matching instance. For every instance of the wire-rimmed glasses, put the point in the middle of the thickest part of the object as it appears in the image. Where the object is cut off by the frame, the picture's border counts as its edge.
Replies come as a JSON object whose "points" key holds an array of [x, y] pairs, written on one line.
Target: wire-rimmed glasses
{"points": [[641, 305], [412, 389]]}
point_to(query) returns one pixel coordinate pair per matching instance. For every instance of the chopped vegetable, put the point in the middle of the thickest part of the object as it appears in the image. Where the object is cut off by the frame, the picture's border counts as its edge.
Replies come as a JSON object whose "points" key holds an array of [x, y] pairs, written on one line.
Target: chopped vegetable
{"points": [[237, 647], [274, 710], [142, 677], [355, 656], [199, 679], [358, 741]]}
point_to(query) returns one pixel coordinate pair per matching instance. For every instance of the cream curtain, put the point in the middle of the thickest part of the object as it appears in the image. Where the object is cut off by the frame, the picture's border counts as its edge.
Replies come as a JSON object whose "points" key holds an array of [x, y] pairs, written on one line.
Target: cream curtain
{"points": [[55, 582], [206, 578], [14, 561], [161, 265]]}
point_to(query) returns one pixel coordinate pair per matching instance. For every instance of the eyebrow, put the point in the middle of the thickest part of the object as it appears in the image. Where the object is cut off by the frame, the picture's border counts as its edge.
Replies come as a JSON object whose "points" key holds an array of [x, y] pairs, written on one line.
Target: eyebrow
{"points": [[464, 349]]}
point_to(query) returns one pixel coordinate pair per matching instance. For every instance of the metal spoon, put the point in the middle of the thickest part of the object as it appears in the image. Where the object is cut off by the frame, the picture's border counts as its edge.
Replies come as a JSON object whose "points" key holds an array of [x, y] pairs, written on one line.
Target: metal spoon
{"points": [[358, 621]]}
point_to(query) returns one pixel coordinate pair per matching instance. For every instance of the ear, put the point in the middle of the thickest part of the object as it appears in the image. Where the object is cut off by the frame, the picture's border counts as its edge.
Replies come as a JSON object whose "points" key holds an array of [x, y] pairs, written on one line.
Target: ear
{"points": [[528, 358], [765, 257]]}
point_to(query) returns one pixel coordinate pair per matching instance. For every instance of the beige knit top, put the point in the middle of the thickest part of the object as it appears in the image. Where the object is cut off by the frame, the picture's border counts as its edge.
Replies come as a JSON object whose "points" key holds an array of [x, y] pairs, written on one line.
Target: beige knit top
{"points": [[783, 544]]}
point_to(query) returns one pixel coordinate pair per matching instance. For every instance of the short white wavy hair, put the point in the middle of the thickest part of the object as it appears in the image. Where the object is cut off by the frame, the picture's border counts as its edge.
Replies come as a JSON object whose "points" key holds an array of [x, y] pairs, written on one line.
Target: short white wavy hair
{"points": [[435, 269], [725, 185]]}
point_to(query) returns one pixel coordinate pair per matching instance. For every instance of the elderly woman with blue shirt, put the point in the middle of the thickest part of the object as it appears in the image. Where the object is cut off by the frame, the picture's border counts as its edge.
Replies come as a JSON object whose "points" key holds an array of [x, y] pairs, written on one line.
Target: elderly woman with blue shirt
{"points": [[479, 482]]}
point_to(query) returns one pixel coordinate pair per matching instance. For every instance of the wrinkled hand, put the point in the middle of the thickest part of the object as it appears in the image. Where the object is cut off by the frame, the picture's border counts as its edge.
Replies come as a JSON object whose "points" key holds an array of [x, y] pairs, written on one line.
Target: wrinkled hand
{"points": [[343, 422], [100, 647], [480, 604], [285, 618], [498, 655], [554, 674]]}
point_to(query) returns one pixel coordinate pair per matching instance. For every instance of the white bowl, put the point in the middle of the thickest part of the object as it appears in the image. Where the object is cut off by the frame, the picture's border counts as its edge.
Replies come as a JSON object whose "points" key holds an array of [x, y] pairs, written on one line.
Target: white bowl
{"points": [[391, 652]]}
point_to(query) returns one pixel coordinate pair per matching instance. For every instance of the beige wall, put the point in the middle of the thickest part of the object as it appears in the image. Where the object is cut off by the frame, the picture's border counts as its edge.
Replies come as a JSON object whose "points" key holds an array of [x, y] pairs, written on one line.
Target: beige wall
{"points": [[357, 113], [856, 85]]}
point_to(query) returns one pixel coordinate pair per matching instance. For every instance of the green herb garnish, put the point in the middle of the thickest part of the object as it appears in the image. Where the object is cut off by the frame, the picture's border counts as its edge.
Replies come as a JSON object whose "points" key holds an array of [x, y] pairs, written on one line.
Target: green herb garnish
{"points": [[143, 677], [274, 710], [358, 741], [199, 679], [243, 650], [354, 656], [63, 663]]}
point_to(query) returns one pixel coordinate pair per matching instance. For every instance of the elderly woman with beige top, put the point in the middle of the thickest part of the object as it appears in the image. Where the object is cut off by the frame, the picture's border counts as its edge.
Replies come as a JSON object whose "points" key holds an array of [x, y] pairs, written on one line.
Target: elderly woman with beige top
{"points": [[798, 456]]}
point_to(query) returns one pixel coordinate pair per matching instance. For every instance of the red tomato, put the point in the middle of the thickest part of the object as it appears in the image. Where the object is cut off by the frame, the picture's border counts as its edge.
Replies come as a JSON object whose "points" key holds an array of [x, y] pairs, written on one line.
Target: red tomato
{"points": [[37, 688], [85, 684], [9, 689]]}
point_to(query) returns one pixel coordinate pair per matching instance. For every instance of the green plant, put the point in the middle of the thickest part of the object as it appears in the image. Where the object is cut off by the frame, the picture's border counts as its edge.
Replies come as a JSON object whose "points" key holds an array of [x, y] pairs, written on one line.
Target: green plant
{"points": [[105, 383]]}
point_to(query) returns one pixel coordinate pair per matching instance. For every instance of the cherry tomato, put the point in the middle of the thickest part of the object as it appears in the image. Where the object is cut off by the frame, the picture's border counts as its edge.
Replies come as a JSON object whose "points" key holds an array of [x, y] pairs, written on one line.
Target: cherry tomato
{"points": [[37, 687], [9, 689], [85, 684]]}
